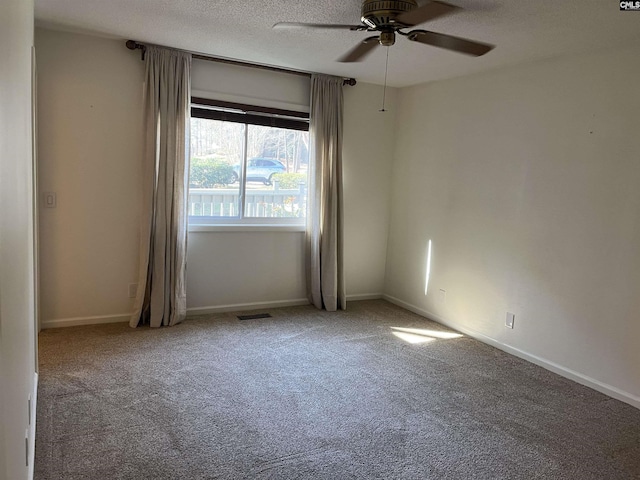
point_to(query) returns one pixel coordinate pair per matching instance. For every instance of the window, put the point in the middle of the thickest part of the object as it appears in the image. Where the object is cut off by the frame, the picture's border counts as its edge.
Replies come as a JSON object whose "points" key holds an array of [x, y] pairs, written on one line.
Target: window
{"points": [[249, 165]]}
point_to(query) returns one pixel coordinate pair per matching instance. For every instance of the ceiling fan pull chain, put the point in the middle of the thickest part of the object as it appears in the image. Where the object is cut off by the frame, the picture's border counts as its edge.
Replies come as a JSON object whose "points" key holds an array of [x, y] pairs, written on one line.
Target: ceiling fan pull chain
{"points": [[384, 89]]}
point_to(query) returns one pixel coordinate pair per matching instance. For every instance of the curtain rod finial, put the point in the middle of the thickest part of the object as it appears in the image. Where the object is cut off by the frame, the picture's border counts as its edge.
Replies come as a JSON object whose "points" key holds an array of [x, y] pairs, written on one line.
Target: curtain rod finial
{"points": [[133, 45], [349, 81]]}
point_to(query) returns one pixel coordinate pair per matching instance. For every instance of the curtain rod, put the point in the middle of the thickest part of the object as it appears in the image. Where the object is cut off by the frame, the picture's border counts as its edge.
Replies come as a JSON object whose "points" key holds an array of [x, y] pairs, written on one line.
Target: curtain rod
{"points": [[133, 45]]}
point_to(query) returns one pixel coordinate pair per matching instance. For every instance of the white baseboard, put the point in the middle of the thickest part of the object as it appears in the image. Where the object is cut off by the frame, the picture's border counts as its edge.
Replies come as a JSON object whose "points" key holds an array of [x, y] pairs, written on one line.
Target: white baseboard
{"points": [[271, 304], [247, 306], [364, 296], [76, 321], [32, 427], [125, 317], [609, 390]]}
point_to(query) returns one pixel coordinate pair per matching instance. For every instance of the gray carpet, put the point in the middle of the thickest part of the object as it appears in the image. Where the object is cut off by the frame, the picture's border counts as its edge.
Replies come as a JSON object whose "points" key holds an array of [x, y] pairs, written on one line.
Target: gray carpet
{"points": [[315, 395]]}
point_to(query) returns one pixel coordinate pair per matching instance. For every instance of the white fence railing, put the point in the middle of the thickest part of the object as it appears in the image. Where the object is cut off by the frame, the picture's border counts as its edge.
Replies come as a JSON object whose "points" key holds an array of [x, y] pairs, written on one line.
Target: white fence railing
{"points": [[223, 202]]}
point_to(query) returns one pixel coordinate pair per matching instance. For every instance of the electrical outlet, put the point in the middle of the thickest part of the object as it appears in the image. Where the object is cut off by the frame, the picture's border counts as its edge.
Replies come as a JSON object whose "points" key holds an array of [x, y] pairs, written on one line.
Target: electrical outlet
{"points": [[510, 319], [442, 295], [133, 290]]}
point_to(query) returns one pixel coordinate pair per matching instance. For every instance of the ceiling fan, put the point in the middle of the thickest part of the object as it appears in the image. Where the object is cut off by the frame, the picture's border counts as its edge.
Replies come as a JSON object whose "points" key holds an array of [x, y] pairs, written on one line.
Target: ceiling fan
{"points": [[389, 17]]}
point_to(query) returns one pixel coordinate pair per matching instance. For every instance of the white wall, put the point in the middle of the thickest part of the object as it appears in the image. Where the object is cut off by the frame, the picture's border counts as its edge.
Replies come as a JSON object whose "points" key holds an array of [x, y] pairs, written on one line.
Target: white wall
{"points": [[367, 157], [90, 143], [226, 270], [17, 317], [526, 180]]}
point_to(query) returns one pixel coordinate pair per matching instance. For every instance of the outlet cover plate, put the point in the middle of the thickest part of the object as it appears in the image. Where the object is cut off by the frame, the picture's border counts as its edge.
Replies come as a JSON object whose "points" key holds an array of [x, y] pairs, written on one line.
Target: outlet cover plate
{"points": [[510, 319], [49, 199]]}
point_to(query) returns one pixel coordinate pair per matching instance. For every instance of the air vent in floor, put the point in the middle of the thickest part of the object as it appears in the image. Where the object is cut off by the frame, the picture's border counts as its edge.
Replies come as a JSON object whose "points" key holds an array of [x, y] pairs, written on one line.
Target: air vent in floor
{"points": [[255, 316]]}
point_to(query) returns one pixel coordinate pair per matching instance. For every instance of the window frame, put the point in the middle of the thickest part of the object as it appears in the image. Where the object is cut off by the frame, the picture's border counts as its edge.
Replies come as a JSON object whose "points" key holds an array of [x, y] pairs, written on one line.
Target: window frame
{"points": [[247, 115]]}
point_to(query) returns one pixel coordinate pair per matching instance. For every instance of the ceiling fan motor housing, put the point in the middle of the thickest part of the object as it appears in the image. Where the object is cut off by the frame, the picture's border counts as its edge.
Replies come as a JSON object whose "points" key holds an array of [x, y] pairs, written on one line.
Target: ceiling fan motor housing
{"points": [[380, 14]]}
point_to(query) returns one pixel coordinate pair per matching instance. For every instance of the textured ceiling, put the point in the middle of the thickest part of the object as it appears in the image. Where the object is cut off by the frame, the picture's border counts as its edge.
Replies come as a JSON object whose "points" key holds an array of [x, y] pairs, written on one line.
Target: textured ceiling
{"points": [[523, 30]]}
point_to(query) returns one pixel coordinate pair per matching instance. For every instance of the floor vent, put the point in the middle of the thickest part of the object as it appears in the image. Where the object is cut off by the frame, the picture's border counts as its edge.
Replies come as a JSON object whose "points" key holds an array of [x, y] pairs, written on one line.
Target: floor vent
{"points": [[255, 316]]}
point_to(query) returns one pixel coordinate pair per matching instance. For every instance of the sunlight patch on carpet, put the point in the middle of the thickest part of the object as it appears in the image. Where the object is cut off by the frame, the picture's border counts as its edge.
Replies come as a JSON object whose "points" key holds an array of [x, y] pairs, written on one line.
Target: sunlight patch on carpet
{"points": [[420, 335]]}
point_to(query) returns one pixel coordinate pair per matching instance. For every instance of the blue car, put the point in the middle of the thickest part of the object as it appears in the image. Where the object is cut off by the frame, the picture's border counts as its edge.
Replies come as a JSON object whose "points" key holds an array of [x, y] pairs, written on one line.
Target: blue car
{"points": [[260, 170]]}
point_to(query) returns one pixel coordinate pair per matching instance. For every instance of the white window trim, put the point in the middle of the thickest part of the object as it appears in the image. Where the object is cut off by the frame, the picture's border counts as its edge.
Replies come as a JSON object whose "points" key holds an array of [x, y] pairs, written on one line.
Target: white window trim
{"points": [[204, 223], [245, 227]]}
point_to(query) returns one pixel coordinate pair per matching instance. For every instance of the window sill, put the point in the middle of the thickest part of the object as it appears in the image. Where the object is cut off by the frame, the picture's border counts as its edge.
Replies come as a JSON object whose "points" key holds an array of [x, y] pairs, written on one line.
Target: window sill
{"points": [[246, 227]]}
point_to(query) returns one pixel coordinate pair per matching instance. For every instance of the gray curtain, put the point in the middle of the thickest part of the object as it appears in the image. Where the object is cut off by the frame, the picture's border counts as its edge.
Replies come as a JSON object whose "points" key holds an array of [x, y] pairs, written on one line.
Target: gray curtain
{"points": [[161, 297], [324, 233]]}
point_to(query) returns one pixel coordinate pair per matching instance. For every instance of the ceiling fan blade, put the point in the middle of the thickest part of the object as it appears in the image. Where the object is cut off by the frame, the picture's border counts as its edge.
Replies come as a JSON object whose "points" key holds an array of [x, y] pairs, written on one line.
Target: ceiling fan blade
{"points": [[360, 50], [331, 26], [450, 42], [425, 13]]}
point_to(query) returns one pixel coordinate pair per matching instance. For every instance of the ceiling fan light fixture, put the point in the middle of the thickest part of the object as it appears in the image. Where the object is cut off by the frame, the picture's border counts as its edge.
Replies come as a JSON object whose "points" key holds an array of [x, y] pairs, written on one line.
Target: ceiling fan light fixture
{"points": [[387, 38]]}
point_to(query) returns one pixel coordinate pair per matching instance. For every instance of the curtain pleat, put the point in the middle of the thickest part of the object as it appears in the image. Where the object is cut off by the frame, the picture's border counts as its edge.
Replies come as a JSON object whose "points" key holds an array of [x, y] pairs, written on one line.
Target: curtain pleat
{"points": [[324, 232], [161, 297]]}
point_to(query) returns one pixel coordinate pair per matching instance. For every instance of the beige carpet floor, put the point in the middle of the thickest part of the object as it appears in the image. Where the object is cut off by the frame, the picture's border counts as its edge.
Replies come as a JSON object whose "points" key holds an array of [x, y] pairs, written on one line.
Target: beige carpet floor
{"points": [[375, 392]]}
